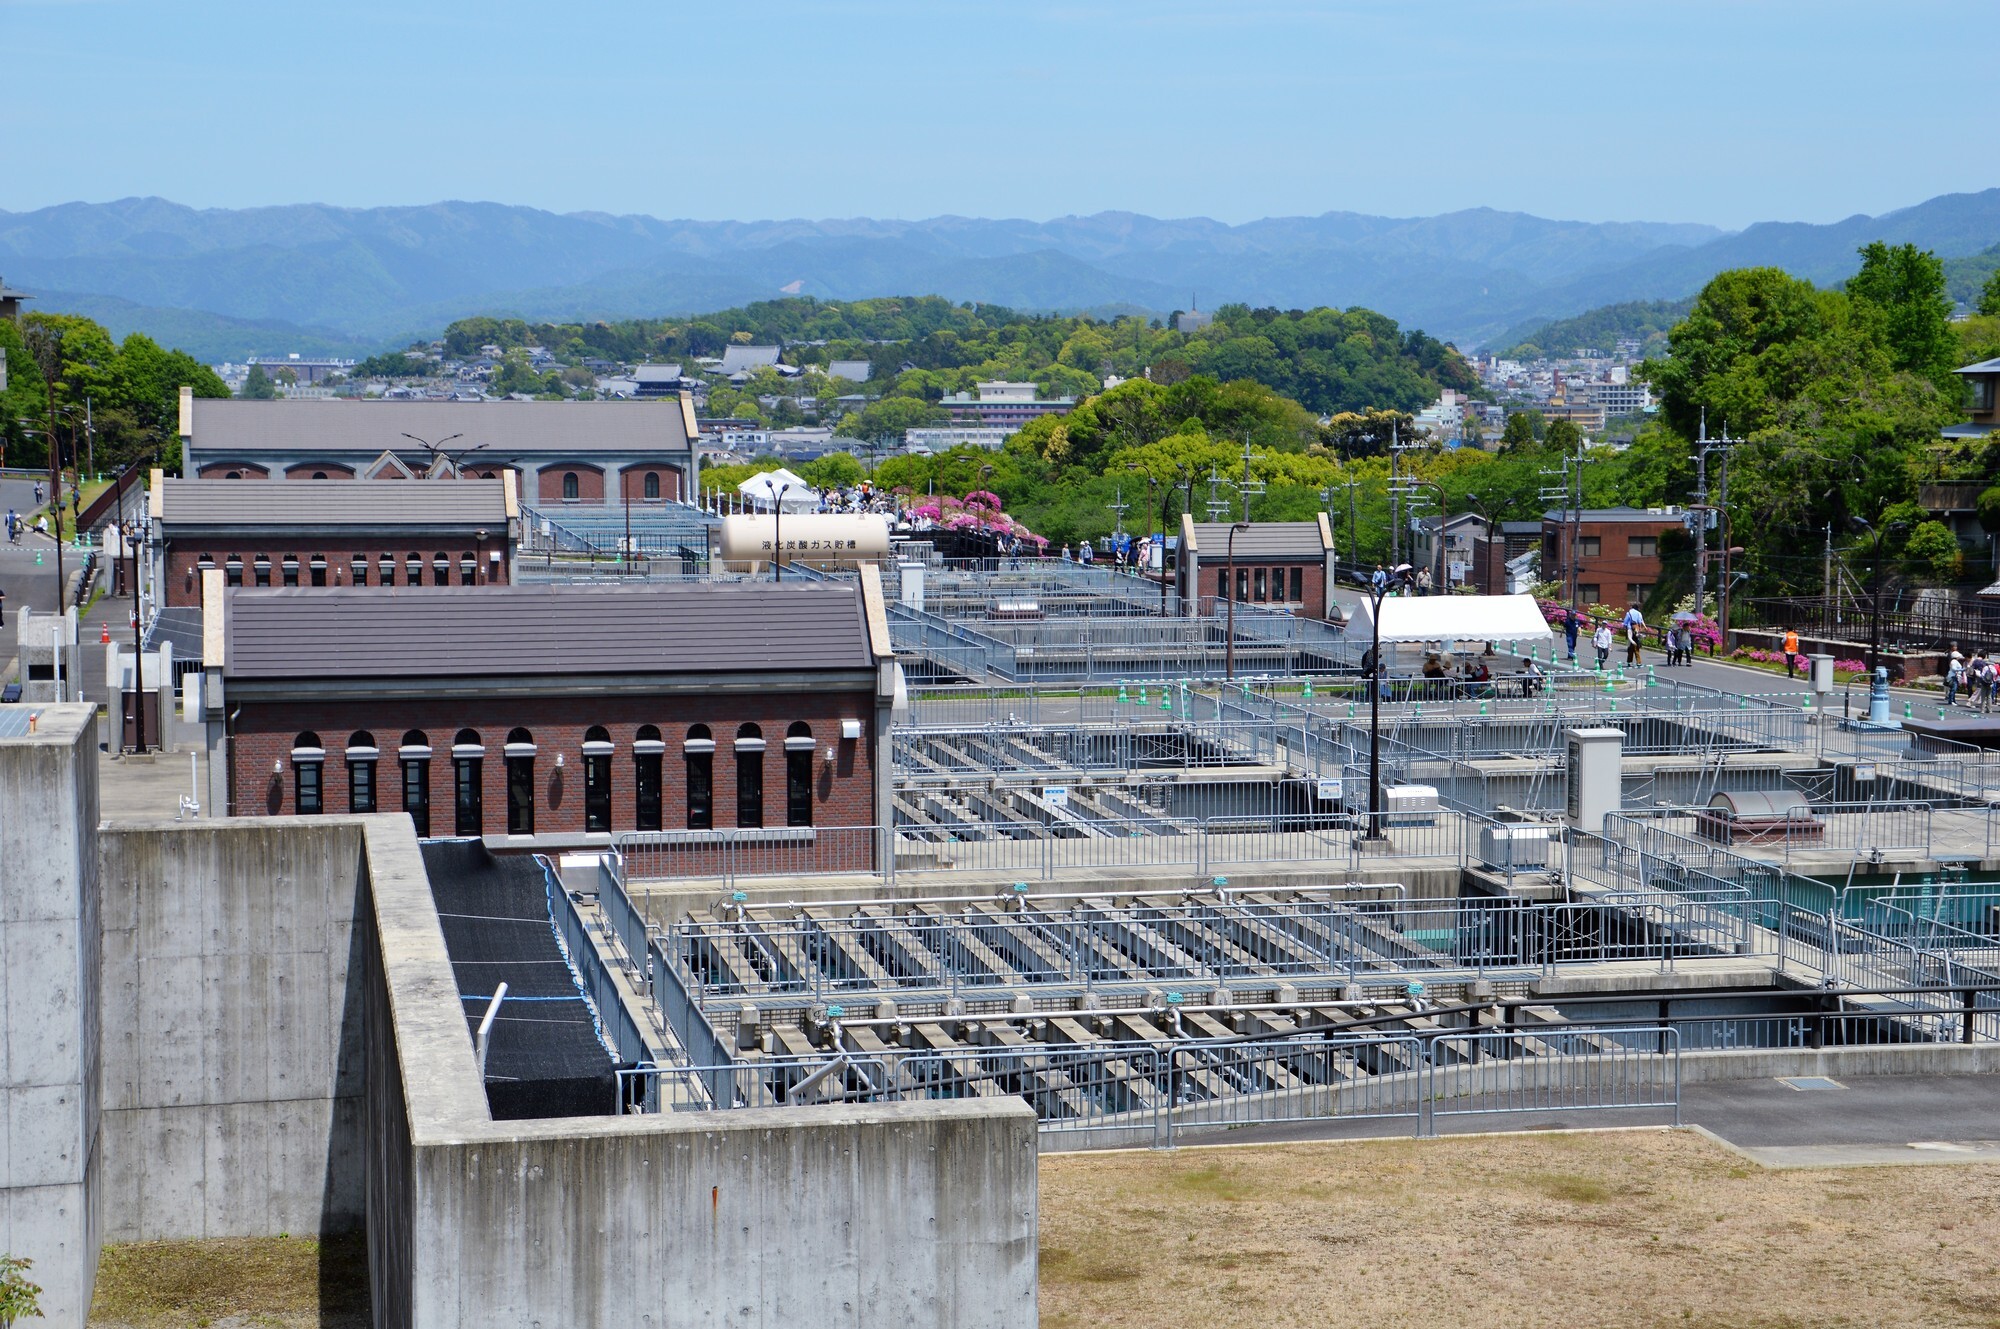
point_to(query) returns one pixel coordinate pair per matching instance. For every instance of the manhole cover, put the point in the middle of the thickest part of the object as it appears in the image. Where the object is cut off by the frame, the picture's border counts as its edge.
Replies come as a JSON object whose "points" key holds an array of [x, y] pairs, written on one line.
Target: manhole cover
{"points": [[1808, 1082]]}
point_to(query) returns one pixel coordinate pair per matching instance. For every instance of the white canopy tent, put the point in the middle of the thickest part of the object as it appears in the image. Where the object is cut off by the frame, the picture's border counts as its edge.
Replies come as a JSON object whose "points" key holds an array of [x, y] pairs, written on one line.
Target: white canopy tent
{"points": [[761, 492], [1454, 618]]}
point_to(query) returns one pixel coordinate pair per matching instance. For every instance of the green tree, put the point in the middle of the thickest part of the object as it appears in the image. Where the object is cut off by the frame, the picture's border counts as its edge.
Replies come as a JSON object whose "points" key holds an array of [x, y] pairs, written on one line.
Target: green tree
{"points": [[891, 416], [833, 471], [1562, 436], [1518, 434], [19, 1299], [1989, 294], [257, 385], [1904, 288], [1931, 553]]}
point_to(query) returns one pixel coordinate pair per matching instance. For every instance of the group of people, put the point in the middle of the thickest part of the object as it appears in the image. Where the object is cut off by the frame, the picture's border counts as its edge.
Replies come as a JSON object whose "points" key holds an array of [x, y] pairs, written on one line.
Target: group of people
{"points": [[1418, 582], [1676, 639], [1978, 678], [17, 526]]}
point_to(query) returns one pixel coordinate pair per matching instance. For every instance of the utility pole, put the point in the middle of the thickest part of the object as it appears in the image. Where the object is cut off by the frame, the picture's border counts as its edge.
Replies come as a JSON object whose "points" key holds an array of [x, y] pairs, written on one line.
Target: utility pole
{"points": [[1119, 507], [1218, 506], [1702, 518], [1249, 488]]}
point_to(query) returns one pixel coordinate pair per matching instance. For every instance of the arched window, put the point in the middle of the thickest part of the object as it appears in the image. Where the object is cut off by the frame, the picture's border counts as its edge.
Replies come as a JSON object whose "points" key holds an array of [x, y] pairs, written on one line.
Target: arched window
{"points": [[440, 568], [597, 779], [468, 568], [317, 565], [386, 566], [415, 755], [307, 755], [647, 748], [468, 769], [291, 569], [319, 475], [569, 485], [749, 776], [234, 475], [798, 774], [652, 484], [262, 567], [413, 569], [699, 749], [520, 782], [361, 757], [232, 568]]}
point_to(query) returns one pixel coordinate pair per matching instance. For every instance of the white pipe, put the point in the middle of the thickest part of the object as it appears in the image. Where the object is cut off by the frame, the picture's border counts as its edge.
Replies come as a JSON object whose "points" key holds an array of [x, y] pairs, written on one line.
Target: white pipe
{"points": [[486, 1027]]}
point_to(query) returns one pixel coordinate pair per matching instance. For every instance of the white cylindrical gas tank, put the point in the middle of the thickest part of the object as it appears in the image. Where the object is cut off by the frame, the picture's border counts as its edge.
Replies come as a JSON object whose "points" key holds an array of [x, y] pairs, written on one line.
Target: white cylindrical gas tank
{"points": [[815, 538]]}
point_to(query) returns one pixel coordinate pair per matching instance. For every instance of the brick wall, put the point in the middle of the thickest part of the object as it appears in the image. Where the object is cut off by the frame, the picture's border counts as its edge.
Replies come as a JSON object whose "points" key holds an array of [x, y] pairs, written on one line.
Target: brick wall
{"points": [[843, 791], [319, 470], [1613, 568], [184, 556], [589, 482], [241, 470], [1310, 602], [632, 483]]}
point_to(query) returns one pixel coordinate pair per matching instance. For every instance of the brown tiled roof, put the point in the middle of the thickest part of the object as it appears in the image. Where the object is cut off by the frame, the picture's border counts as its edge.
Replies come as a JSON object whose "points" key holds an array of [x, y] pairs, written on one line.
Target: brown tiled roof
{"points": [[497, 430], [333, 503], [1264, 539], [467, 632]]}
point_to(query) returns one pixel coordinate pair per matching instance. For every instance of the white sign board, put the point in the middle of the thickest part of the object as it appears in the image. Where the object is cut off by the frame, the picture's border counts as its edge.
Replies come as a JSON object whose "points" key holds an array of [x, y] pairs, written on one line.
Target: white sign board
{"points": [[1327, 791], [1056, 795]]}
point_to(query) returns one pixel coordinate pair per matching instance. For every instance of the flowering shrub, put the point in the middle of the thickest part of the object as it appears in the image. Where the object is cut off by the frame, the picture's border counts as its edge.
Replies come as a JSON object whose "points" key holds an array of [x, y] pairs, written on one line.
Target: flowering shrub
{"points": [[983, 498]]}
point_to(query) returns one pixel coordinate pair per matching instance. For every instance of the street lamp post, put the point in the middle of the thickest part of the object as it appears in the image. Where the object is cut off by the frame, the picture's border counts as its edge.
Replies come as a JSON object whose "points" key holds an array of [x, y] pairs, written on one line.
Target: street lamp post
{"points": [[1376, 595], [1229, 646], [778, 534]]}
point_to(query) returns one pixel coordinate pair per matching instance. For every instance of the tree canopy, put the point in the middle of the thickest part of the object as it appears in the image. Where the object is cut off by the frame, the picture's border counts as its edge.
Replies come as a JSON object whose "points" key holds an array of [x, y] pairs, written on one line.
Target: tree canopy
{"points": [[126, 395]]}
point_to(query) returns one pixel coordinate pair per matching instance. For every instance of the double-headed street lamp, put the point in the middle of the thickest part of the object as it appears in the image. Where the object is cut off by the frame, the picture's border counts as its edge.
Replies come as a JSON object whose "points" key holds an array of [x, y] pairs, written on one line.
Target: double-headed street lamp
{"points": [[778, 533], [1376, 595]]}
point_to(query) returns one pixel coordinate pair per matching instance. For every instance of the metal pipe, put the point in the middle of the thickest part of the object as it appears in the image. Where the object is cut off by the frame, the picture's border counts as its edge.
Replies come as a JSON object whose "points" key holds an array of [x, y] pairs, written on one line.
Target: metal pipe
{"points": [[486, 1027]]}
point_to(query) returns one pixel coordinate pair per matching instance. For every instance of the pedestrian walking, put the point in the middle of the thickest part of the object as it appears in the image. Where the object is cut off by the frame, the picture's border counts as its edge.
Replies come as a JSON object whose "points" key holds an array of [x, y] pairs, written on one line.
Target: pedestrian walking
{"points": [[1570, 630], [1989, 677], [1423, 581], [1954, 676], [1380, 578], [13, 527], [1791, 652], [1601, 639], [1635, 623]]}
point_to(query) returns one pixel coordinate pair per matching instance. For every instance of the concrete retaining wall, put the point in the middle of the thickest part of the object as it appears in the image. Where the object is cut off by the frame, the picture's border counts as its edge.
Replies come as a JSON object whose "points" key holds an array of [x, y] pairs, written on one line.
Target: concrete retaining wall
{"points": [[232, 1028], [50, 1151], [904, 1214]]}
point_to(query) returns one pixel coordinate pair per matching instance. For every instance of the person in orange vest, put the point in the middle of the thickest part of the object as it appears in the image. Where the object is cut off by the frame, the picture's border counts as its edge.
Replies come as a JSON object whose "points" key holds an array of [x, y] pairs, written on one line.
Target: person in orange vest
{"points": [[1791, 652]]}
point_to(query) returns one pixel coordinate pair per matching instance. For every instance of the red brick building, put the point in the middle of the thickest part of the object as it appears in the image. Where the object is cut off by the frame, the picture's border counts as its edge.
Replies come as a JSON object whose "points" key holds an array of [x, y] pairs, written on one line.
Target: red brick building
{"points": [[738, 718], [1616, 551], [1279, 564], [435, 533]]}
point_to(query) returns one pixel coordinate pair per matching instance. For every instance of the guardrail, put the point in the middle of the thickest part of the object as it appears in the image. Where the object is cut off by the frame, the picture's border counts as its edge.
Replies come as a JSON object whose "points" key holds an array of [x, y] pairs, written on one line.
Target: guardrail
{"points": [[614, 1023], [1159, 1093]]}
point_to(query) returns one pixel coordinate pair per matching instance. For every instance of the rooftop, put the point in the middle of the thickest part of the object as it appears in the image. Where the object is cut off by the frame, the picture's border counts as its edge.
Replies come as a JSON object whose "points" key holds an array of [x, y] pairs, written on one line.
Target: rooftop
{"points": [[1263, 539], [1652, 517], [463, 632], [490, 431], [239, 503]]}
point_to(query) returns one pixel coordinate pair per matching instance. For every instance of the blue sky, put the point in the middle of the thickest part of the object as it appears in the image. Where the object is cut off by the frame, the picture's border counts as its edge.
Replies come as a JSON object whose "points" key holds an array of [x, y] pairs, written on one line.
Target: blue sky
{"points": [[1673, 110]]}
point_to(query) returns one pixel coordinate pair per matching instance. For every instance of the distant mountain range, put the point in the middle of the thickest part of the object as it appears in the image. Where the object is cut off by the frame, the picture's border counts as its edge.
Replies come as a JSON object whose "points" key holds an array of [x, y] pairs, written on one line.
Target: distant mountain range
{"points": [[309, 277]]}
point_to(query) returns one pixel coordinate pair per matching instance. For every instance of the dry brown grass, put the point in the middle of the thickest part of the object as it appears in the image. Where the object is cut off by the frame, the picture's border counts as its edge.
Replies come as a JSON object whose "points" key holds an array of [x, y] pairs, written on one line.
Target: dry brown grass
{"points": [[1626, 1229], [281, 1282]]}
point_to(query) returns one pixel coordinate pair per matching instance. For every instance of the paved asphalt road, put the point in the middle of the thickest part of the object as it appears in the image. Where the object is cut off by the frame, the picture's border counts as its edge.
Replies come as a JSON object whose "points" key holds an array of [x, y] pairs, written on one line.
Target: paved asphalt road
{"points": [[1862, 1120]]}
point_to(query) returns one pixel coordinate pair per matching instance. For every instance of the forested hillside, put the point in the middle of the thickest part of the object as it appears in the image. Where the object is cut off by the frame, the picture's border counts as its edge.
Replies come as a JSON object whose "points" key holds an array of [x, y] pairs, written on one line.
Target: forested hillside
{"points": [[1328, 360]]}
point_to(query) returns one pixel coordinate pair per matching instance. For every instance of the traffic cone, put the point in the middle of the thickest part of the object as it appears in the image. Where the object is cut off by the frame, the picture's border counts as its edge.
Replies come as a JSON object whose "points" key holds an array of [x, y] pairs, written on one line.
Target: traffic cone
{"points": [[104, 638]]}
